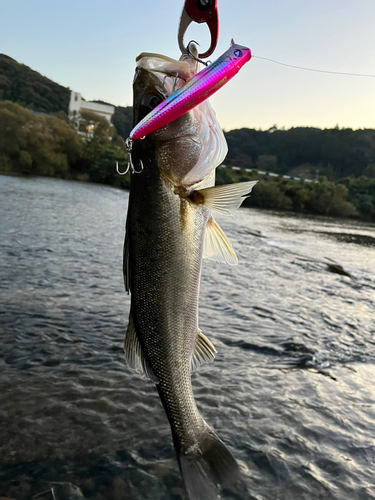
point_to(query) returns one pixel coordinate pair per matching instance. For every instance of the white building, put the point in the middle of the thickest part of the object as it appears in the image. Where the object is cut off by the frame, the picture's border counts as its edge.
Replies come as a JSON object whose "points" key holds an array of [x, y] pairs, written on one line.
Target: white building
{"points": [[77, 104]]}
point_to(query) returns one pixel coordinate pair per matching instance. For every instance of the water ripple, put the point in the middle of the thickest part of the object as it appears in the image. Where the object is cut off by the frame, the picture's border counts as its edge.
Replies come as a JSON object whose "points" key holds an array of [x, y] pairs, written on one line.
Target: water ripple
{"points": [[290, 391]]}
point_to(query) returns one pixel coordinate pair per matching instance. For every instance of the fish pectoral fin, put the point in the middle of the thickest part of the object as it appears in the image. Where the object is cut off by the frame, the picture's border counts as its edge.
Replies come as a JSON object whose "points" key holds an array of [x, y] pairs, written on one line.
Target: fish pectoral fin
{"points": [[223, 199], [134, 355], [216, 245], [204, 352]]}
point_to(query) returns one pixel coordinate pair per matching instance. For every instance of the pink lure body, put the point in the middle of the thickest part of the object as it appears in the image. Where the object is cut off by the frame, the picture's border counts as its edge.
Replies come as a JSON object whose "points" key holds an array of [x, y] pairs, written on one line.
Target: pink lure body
{"points": [[202, 86]]}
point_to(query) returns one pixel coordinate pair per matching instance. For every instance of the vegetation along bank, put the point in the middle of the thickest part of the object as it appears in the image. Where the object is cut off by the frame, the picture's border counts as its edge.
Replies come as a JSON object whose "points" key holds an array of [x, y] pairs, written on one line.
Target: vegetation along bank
{"points": [[36, 137]]}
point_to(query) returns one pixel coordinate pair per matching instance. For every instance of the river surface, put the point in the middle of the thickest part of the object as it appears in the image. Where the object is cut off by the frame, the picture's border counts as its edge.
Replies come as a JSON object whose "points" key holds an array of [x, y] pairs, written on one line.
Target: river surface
{"points": [[291, 391]]}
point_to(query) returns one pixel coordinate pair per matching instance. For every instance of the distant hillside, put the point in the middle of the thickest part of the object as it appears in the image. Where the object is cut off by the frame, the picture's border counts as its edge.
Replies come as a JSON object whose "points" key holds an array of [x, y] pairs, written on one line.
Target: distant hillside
{"points": [[21, 84], [302, 151]]}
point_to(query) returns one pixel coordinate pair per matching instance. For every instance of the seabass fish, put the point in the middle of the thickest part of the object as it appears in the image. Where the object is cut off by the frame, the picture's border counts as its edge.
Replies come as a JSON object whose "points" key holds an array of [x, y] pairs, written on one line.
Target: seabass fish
{"points": [[169, 230]]}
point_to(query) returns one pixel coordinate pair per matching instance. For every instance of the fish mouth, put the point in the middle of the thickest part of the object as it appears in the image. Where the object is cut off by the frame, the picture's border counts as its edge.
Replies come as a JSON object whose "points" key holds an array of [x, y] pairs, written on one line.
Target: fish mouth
{"points": [[146, 87], [158, 77], [150, 89], [171, 73], [188, 149], [177, 145]]}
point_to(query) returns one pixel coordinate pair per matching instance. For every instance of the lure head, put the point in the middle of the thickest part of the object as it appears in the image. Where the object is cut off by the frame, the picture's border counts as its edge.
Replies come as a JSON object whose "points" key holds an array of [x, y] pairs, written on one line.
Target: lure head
{"points": [[239, 53], [148, 92]]}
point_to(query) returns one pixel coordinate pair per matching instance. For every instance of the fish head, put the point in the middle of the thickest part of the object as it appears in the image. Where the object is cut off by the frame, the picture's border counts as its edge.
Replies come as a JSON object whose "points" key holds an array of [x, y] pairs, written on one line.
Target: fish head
{"points": [[188, 149], [148, 92]]}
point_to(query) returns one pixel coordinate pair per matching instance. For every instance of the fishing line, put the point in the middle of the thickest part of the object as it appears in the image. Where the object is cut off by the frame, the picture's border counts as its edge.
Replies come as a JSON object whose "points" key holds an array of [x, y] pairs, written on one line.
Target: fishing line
{"points": [[315, 70]]}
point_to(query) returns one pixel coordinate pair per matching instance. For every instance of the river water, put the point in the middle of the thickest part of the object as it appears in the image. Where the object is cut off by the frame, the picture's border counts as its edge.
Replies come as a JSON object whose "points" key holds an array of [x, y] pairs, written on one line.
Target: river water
{"points": [[291, 391]]}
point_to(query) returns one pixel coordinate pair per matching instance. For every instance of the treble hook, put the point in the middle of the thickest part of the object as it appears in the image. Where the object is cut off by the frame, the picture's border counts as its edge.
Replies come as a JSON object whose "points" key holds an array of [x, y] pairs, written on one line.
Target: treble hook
{"points": [[129, 147], [122, 173], [175, 83], [192, 52]]}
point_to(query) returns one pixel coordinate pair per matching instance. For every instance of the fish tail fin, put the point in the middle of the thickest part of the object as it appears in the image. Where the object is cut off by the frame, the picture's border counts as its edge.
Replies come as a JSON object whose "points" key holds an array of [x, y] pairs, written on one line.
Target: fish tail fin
{"points": [[207, 465]]}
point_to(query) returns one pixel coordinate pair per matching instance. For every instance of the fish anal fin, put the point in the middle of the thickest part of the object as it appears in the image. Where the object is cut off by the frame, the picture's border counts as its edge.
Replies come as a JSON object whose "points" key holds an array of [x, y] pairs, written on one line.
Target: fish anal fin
{"points": [[204, 352], [134, 355], [223, 199], [216, 245]]}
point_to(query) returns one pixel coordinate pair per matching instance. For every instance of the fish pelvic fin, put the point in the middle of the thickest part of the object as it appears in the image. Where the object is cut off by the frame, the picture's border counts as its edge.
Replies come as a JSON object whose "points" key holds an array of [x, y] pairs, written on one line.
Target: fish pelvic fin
{"points": [[223, 199], [216, 245], [207, 465], [204, 352], [134, 355]]}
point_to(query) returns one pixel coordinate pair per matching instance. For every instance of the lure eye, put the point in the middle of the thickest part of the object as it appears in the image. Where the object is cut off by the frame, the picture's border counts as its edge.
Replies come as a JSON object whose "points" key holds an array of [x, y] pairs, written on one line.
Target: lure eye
{"points": [[237, 53]]}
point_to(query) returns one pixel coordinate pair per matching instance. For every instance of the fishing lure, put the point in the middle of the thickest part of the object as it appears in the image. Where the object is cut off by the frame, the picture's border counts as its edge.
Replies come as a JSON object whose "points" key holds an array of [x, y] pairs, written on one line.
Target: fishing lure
{"points": [[202, 86]]}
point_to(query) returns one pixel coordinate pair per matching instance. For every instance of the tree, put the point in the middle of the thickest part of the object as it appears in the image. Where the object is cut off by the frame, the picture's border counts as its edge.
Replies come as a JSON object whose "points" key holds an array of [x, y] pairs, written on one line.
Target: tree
{"points": [[270, 195], [328, 198], [97, 132], [361, 193], [37, 143], [267, 163], [21, 84], [369, 171], [103, 168], [122, 119]]}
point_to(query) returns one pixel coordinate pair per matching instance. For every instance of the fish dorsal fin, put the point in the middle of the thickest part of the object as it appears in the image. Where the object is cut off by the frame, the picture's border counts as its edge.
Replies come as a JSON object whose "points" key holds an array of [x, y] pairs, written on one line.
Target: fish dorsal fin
{"points": [[134, 355], [216, 245], [223, 199], [204, 352]]}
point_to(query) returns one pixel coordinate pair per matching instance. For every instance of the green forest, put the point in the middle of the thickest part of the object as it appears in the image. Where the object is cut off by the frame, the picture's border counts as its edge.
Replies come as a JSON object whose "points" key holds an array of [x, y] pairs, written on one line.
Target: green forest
{"points": [[36, 138], [304, 151], [21, 84]]}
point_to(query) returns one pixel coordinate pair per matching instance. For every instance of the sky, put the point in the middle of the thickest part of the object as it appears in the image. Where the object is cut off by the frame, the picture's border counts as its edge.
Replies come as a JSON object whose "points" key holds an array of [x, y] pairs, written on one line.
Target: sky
{"points": [[91, 46]]}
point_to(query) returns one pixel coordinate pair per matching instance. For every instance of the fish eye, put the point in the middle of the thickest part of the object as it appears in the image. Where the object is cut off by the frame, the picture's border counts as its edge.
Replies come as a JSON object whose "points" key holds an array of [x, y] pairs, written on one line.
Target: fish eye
{"points": [[154, 101], [151, 101], [237, 53]]}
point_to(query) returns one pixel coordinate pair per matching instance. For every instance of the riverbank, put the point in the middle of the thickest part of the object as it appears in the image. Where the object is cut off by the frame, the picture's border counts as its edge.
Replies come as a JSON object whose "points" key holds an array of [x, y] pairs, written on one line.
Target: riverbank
{"points": [[271, 193], [349, 197], [48, 145]]}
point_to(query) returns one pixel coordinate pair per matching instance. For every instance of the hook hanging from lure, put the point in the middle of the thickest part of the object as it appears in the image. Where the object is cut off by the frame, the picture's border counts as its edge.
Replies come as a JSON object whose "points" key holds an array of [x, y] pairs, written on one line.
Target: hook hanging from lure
{"points": [[202, 86], [130, 166]]}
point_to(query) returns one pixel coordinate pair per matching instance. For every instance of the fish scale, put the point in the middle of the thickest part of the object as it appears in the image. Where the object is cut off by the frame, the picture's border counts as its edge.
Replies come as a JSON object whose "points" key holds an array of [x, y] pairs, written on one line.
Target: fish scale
{"points": [[173, 308]]}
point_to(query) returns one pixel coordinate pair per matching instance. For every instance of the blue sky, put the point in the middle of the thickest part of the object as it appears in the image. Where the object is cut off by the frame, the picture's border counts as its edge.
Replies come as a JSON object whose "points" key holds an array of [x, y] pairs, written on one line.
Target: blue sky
{"points": [[91, 46]]}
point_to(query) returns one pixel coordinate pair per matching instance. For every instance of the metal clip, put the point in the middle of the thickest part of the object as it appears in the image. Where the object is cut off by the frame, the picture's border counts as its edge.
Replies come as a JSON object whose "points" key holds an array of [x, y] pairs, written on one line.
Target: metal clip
{"points": [[199, 11]]}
